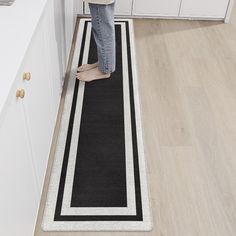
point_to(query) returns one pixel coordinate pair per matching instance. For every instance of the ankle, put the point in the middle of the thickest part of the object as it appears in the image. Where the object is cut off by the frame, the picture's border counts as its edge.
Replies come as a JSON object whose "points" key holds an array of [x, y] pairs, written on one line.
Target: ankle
{"points": [[104, 73]]}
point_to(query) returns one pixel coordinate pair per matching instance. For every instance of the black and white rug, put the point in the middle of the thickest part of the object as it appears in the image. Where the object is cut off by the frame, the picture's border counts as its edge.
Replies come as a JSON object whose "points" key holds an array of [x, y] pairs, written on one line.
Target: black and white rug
{"points": [[98, 180]]}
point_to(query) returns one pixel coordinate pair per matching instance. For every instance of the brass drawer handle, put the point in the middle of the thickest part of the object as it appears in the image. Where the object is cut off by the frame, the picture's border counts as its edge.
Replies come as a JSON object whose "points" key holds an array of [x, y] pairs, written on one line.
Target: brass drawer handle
{"points": [[26, 76], [20, 93]]}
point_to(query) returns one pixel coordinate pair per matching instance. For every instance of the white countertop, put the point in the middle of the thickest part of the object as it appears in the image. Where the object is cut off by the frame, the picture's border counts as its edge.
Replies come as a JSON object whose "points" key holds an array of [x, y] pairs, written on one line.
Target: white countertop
{"points": [[17, 26]]}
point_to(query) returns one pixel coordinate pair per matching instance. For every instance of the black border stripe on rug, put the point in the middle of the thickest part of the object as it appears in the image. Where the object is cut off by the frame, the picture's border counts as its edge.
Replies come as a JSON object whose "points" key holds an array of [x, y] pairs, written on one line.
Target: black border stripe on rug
{"points": [[139, 214]]}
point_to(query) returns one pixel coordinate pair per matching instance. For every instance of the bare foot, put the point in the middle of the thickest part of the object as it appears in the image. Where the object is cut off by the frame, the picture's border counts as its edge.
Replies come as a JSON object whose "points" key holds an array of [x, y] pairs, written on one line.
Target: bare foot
{"points": [[86, 67], [93, 74]]}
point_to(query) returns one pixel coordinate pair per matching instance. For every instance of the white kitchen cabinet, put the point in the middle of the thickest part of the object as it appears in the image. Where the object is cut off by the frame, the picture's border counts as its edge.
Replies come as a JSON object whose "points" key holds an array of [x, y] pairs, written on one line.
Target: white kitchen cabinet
{"points": [[122, 7], [56, 49], [19, 196], [174, 9], [38, 101], [204, 8], [45, 61], [79, 7], [27, 123], [156, 7], [70, 20]]}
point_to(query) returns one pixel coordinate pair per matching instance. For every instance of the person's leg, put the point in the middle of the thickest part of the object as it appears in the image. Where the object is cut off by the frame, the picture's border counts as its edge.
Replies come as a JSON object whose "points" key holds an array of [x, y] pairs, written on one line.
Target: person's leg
{"points": [[103, 28], [94, 15], [104, 35]]}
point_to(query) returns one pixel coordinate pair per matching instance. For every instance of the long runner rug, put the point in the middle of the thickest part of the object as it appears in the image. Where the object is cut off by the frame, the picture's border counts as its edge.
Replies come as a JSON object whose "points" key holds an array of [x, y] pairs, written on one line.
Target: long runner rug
{"points": [[98, 180]]}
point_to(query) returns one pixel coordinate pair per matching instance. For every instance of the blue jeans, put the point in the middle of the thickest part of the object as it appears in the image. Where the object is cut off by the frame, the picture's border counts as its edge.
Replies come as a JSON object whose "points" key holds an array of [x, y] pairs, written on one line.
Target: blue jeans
{"points": [[103, 28]]}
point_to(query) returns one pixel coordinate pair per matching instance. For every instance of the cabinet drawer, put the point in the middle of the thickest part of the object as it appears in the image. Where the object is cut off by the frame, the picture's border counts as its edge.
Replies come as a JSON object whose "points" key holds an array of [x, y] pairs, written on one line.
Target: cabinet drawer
{"points": [[156, 7], [204, 8]]}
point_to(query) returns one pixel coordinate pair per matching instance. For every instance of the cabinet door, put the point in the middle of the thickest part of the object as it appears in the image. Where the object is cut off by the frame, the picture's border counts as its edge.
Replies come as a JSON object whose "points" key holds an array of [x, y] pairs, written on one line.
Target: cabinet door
{"points": [[156, 7], [79, 7], [19, 196], [38, 100], [55, 43], [122, 7], [70, 19], [204, 8]]}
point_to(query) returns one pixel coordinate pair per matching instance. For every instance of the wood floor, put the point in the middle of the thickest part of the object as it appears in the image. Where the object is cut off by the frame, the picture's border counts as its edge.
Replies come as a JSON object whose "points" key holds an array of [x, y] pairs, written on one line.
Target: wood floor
{"points": [[187, 73]]}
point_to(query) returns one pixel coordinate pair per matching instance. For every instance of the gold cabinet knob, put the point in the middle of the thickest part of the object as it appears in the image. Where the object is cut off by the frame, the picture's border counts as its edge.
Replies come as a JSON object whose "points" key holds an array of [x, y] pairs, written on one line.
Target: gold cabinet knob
{"points": [[26, 76], [20, 93]]}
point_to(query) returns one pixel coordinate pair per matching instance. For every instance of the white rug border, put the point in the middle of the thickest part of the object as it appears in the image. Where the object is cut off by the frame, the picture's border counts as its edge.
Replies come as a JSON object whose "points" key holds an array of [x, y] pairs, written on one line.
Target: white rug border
{"points": [[131, 203]]}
